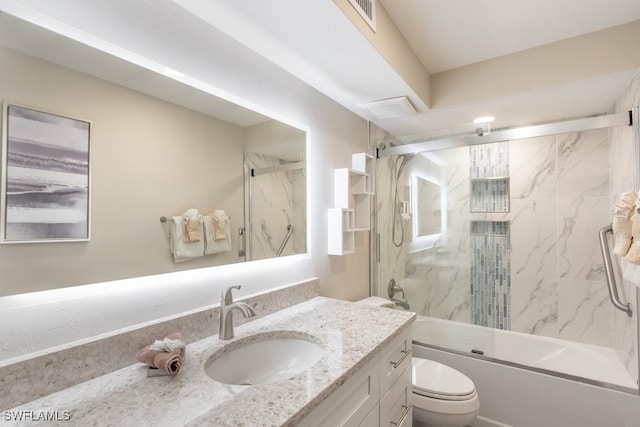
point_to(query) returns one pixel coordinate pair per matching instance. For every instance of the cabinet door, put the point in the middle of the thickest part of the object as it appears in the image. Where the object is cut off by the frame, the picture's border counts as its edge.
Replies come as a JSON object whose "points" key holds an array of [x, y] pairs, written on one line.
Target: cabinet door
{"points": [[373, 419], [394, 359], [396, 407], [350, 404]]}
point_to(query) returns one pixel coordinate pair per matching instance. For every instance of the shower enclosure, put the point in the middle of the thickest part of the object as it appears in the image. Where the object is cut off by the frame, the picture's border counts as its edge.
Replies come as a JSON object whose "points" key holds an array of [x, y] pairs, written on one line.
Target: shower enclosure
{"points": [[493, 242]]}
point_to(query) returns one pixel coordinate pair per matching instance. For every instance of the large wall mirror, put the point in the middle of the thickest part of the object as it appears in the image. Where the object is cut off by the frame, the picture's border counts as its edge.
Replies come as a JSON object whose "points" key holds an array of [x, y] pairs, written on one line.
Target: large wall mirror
{"points": [[158, 147]]}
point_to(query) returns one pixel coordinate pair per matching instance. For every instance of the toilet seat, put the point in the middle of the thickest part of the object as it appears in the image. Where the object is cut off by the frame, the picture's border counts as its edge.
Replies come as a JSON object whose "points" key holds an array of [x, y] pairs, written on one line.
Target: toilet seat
{"points": [[441, 395], [435, 380]]}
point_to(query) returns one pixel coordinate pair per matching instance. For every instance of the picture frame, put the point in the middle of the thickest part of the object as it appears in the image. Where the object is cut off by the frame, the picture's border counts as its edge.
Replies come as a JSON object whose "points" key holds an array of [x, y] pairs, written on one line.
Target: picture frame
{"points": [[45, 179]]}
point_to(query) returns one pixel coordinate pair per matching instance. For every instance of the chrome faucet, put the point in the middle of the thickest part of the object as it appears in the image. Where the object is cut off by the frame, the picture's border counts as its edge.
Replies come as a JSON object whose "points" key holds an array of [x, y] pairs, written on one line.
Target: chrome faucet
{"points": [[226, 312], [392, 290]]}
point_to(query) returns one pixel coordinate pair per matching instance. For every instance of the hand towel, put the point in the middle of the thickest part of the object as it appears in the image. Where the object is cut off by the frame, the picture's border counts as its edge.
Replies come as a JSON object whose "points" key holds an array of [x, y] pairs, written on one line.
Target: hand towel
{"points": [[220, 225], [621, 223], [167, 354], [192, 230], [217, 232], [181, 249], [633, 256]]}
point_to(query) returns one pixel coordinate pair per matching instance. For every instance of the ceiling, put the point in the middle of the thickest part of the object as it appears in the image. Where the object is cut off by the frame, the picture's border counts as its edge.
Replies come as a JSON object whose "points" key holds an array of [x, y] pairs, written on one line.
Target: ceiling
{"points": [[325, 49], [317, 43]]}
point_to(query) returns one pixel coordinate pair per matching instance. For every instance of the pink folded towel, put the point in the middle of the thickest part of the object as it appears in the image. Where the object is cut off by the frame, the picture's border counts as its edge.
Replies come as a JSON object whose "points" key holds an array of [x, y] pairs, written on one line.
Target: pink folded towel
{"points": [[169, 358]]}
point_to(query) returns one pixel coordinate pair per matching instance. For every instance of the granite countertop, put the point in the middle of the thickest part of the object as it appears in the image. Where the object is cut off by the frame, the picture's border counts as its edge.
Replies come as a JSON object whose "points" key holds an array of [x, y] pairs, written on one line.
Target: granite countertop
{"points": [[351, 334]]}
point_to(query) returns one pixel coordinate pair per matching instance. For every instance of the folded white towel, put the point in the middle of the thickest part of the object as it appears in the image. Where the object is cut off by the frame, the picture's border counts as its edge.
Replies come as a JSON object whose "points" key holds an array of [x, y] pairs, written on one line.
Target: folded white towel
{"points": [[623, 210], [181, 249], [217, 232]]}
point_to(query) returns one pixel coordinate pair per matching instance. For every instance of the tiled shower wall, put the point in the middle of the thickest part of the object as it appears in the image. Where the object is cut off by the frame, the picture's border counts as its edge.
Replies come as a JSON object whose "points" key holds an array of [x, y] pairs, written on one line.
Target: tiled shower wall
{"points": [[622, 179], [562, 189], [559, 199]]}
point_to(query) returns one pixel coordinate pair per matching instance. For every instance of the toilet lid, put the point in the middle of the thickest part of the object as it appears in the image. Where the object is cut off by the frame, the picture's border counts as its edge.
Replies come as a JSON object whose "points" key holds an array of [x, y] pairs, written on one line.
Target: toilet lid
{"points": [[434, 379]]}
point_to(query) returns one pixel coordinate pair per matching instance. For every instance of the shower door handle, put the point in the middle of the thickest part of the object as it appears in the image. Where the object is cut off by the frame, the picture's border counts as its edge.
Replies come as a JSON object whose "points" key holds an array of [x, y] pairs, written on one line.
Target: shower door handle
{"points": [[608, 268], [242, 242]]}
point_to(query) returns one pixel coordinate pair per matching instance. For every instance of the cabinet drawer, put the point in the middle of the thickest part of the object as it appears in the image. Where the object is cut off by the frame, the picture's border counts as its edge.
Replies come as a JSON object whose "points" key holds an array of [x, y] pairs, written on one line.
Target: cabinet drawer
{"points": [[396, 406], [350, 404], [394, 359]]}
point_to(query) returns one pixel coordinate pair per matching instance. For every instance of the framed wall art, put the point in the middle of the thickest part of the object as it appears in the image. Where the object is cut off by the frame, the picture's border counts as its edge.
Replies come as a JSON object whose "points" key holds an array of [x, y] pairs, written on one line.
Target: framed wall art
{"points": [[45, 177]]}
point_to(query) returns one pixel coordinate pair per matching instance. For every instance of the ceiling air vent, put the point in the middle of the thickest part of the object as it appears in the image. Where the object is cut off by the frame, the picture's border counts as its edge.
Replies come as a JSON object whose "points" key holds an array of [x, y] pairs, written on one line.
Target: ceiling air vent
{"points": [[367, 10]]}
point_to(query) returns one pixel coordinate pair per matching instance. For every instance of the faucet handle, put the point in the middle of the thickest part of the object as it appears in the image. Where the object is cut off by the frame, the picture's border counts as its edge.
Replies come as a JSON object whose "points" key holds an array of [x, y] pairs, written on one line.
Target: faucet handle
{"points": [[227, 297]]}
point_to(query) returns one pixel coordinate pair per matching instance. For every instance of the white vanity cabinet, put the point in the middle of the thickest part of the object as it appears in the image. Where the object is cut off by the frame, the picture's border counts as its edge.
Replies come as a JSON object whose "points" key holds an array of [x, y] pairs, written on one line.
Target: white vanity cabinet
{"points": [[352, 403], [379, 394], [395, 382]]}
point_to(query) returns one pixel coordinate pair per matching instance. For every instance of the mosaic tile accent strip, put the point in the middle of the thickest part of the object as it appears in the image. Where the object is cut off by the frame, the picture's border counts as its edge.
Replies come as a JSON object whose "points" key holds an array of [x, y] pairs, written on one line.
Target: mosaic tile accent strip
{"points": [[490, 195], [489, 160], [491, 274], [489, 174]]}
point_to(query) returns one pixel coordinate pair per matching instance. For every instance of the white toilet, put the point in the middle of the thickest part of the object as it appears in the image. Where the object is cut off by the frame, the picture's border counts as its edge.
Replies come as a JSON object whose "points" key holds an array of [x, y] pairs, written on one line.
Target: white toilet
{"points": [[442, 396]]}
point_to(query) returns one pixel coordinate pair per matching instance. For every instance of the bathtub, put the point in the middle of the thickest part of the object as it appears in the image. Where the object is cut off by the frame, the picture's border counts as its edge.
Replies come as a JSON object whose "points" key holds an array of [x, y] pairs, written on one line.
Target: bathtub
{"points": [[583, 362], [530, 381]]}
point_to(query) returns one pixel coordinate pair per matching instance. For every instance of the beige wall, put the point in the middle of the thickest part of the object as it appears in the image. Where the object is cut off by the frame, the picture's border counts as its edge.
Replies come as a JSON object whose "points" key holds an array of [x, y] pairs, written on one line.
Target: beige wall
{"points": [[149, 158], [140, 150], [579, 58]]}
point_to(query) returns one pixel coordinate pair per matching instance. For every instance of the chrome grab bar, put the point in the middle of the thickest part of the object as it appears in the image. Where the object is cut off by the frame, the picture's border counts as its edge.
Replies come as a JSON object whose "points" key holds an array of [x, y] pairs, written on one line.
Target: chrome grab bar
{"points": [[286, 239], [608, 268]]}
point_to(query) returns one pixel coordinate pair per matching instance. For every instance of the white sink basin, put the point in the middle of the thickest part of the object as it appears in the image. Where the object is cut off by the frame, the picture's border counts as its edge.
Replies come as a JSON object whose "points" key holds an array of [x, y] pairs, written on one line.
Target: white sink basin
{"points": [[263, 358]]}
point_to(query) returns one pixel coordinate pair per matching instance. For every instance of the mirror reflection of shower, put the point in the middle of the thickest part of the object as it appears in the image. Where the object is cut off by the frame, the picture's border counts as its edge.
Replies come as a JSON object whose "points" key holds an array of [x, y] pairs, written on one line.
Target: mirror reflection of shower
{"points": [[276, 202]]}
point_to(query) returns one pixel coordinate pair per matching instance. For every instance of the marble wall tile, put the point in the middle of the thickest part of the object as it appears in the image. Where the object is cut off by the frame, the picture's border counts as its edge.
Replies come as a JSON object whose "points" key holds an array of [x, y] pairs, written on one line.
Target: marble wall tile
{"points": [[584, 312], [625, 329], [621, 179], [579, 221], [583, 167], [534, 237], [533, 168], [451, 299], [392, 263], [534, 305]]}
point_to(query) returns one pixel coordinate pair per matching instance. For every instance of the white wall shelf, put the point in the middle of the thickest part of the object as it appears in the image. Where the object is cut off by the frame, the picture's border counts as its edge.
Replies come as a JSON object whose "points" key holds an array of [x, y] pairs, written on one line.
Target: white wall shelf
{"points": [[352, 191]]}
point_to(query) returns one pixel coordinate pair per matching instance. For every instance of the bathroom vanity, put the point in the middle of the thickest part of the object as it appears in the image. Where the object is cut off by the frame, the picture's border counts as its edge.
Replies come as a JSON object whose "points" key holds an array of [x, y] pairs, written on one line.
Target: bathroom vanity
{"points": [[361, 376]]}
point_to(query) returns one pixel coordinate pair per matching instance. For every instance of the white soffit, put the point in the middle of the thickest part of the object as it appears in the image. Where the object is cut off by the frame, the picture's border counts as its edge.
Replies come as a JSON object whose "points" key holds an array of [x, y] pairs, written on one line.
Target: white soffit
{"points": [[314, 41]]}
